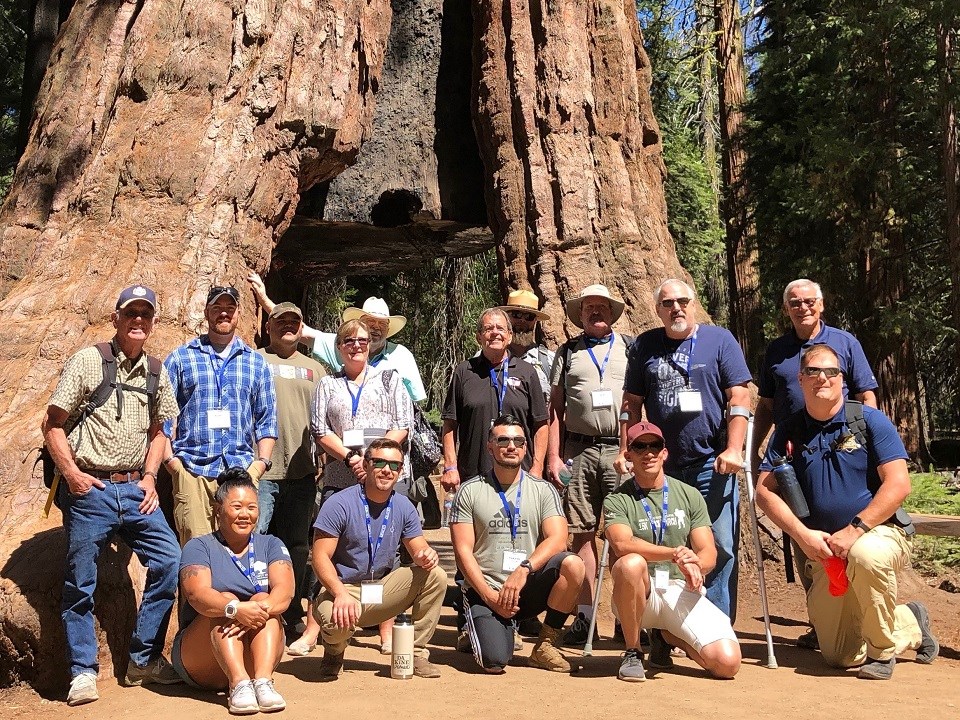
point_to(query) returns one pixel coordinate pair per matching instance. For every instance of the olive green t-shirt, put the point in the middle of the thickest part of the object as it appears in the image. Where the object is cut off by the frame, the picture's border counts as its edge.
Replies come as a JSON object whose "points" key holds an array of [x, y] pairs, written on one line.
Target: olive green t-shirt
{"points": [[686, 511]]}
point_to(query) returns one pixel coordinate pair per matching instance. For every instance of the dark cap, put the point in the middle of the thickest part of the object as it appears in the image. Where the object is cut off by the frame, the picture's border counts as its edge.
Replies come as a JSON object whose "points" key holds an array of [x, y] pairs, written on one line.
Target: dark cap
{"points": [[642, 428], [134, 293], [218, 290], [284, 308]]}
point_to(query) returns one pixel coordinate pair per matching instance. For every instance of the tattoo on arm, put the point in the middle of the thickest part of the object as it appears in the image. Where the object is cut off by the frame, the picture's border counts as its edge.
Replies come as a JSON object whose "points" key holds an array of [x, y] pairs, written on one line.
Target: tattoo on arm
{"points": [[191, 571], [283, 562]]}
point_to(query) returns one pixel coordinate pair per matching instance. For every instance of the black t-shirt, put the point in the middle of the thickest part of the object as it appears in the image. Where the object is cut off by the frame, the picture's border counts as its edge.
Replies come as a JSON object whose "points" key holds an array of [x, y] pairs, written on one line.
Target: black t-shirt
{"points": [[472, 402]]}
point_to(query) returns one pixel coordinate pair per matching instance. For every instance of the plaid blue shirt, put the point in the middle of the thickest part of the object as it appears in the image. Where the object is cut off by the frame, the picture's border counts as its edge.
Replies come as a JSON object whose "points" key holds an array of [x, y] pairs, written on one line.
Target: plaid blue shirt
{"points": [[203, 381]]}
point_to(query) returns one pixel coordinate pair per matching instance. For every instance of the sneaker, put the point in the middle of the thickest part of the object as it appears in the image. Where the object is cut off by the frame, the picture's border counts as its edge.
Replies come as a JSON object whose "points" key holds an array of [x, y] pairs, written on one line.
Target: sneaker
{"points": [[386, 647], [83, 689], [809, 641], [577, 634], [243, 699], [422, 667], [631, 666], [659, 657], [877, 669], [546, 654], [156, 671], [517, 640], [331, 665], [530, 627], [463, 642], [301, 648], [268, 698], [929, 645]]}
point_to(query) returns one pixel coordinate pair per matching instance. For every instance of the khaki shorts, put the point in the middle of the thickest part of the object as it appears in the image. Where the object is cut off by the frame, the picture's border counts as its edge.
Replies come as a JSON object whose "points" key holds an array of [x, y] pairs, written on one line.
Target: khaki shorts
{"points": [[592, 479]]}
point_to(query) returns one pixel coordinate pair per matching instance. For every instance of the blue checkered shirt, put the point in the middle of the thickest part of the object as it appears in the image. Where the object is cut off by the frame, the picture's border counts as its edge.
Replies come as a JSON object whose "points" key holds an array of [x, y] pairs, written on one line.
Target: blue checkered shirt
{"points": [[203, 381]]}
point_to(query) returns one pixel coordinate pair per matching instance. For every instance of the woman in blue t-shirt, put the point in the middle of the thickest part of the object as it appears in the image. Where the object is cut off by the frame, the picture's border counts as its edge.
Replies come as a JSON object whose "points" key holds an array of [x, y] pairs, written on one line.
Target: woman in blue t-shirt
{"points": [[236, 584]]}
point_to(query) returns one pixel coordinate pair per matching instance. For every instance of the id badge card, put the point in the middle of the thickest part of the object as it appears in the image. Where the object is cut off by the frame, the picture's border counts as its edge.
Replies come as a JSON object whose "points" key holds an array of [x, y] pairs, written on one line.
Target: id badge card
{"points": [[353, 438], [690, 401], [602, 399], [512, 560], [661, 580], [218, 419], [371, 593]]}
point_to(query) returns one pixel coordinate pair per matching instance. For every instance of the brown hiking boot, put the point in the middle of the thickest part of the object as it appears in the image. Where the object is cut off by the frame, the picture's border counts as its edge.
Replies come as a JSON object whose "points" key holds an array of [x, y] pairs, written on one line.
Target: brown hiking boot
{"points": [[546, 654], [331, 665], [422, 667]]}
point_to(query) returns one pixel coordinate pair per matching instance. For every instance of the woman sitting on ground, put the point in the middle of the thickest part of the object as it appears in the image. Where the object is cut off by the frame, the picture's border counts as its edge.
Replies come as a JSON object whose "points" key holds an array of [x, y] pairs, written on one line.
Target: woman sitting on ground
{"points": [[236, 584]]}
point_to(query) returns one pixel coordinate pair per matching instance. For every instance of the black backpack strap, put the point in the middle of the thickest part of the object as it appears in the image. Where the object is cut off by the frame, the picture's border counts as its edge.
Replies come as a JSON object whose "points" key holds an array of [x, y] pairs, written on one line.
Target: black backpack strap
{"points": [[856, 423]]}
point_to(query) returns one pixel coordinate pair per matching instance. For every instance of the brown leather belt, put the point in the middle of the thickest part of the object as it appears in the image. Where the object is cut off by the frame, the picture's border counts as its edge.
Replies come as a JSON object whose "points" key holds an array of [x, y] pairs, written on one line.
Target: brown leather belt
{"points": [[116, 477]]}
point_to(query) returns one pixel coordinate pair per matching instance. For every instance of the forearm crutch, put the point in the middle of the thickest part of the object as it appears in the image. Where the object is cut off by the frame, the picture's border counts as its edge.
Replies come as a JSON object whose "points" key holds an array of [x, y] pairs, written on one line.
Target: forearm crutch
{"points": [[751, 499], [588, 645]]}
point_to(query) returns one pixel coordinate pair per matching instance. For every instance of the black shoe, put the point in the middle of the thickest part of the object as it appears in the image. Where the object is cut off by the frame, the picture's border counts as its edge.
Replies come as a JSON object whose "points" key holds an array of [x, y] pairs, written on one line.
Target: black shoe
{"points": [[929, 645], [659, 657], [809, 641], [530, 628], [577, 634], [877, 669]]}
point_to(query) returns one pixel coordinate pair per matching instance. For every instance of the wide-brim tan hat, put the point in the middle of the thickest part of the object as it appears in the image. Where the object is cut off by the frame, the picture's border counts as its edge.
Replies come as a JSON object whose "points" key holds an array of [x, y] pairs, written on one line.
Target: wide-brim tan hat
{"points": [[573, 306], [524, 300], [377, 308]]}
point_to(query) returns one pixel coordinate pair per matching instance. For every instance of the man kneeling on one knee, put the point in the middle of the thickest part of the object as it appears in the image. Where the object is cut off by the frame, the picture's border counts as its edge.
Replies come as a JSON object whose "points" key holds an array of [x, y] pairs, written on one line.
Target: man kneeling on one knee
{"points": [[662, 546], [357, 535]]}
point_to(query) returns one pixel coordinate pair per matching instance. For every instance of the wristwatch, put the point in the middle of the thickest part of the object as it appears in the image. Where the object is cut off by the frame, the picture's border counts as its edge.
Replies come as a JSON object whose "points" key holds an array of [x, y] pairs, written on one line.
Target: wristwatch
{"points": [[267, 463], [353, 453], [526, 564], [230, 611], [860, 524]]}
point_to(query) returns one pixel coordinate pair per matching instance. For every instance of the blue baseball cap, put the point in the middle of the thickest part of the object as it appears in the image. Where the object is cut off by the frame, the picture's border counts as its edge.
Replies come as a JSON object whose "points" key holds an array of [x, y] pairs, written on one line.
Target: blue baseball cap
{"points": [[137, 292]]}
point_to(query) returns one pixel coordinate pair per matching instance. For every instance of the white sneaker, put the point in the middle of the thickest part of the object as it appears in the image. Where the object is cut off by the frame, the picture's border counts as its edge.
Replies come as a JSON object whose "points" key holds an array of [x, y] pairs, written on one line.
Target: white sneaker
{"points": [[268, 698], [83, 689], [243, 699]]}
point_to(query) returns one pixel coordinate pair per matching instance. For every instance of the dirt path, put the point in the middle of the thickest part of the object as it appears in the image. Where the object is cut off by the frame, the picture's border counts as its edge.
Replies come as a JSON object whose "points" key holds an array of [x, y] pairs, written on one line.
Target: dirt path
{"points": [[802, 687]]}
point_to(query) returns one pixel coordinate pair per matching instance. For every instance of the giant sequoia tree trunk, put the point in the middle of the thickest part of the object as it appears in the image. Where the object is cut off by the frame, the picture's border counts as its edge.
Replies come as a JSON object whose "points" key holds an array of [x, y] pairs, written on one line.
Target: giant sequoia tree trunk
{"points": [[948, 57], [572, 151], [170, 143]]}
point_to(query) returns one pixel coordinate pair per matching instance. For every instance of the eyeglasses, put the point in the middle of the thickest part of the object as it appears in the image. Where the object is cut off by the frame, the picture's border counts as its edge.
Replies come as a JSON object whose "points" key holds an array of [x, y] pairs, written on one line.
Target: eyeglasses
{"points": [[488, 329], [522, 315], [668, 303], [381, 463], [505, 441], [359, 342], [811, 371], [653, 447], [796, 303], [130, 314]]}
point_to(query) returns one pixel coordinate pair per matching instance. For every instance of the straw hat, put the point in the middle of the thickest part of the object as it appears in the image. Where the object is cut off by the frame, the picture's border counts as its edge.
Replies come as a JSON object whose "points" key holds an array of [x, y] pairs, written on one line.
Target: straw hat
{"points": [[524, 300], [573, 306], [376, 308]]}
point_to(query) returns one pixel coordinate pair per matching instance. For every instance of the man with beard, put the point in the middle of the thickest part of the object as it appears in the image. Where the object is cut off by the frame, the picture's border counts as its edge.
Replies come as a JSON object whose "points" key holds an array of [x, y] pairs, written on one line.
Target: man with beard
{"points": [[227, 403], [523, 310]]}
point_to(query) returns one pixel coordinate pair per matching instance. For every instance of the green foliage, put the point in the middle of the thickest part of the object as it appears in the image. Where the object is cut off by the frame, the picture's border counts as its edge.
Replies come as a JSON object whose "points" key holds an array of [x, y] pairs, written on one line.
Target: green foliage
{"points": [[13, 15], [934, 555]]}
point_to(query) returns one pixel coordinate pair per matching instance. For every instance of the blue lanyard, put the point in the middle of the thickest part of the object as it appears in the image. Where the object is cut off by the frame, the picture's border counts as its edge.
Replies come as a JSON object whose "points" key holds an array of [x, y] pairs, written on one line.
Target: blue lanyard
{"points": [[515, 515], [354, 399], [657, 540], [693, 344], [602, 368], [221, 370], [251, 559], [501, 387], [372, 549]]}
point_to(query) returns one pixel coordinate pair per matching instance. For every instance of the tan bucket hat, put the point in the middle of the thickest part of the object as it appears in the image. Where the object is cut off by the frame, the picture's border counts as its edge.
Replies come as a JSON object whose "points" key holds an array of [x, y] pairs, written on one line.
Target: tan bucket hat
{"points": [[573, 306], [524, 300]]}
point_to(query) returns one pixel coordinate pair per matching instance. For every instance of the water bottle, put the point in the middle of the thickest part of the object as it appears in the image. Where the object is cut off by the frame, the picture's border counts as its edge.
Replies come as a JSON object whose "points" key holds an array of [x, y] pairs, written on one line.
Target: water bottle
{"points": [[790, 489], [447, 508], [567, 473], [401, 666]]}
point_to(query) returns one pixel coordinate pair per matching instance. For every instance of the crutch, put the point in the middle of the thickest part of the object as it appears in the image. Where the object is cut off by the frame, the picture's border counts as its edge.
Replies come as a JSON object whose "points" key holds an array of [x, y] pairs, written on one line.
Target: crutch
{"points": [[748, 471], [588, 645]]}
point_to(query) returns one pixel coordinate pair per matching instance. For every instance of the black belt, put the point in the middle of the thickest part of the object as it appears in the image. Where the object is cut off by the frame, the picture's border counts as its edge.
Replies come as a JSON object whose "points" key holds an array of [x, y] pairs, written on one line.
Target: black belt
{"points": [[593, 439], [115, 477]]}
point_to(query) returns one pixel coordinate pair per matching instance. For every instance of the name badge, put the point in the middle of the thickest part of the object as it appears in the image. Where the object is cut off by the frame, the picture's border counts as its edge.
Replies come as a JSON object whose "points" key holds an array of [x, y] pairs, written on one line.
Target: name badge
{"points": [[371, 593], [512, 560], [218, 419], [602, 399], [661, 580], [690, 401], [288, 372], [353, 438]]}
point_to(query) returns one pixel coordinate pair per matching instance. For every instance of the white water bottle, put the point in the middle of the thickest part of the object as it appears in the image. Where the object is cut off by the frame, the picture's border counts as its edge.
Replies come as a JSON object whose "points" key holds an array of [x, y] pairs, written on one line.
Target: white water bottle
{"points": [[401, 667], [447, 508]]}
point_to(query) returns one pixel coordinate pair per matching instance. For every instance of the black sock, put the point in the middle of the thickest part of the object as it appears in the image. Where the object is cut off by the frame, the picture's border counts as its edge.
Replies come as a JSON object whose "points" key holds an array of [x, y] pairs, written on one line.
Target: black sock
{"points": [[556, 619]]}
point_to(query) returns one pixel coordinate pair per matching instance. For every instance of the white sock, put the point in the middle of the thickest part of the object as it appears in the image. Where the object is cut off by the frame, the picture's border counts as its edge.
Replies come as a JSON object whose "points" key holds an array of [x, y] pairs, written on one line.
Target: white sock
{"points": [[587, 610]]}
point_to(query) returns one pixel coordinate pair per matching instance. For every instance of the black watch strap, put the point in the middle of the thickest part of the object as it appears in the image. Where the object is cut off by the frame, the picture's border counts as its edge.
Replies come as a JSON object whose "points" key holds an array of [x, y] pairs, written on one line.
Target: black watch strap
{"points": [[860, 524], [526, 564], [267, 463]]}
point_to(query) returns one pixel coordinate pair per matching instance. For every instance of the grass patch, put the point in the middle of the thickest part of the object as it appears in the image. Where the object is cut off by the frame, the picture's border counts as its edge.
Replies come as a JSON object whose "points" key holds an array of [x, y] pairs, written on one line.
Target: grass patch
{"points": [[934, 555]]}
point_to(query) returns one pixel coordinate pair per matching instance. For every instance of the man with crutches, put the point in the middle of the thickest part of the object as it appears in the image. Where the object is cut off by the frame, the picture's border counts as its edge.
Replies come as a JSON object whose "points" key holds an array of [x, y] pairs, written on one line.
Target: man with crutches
{"points": [[662, 546]]}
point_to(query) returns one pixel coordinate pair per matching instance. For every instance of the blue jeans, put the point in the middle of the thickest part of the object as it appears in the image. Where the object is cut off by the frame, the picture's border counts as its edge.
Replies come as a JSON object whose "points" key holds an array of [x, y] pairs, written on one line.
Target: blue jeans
{"points": [[286, 508], [723, 501], [89, 521]]}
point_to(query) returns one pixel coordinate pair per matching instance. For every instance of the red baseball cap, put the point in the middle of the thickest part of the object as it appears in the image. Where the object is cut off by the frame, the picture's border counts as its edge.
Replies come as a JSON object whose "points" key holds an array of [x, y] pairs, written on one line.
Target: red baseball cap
{"points": [[642, 428]]}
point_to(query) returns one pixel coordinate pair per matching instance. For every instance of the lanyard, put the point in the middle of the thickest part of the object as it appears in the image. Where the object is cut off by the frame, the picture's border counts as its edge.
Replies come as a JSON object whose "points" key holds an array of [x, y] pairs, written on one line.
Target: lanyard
{"points": [[501, 387], [657, 540], [515, 515], [602, 368], [693, 344], [219, 372], [355, 399], [251, 559], [372, 549]]}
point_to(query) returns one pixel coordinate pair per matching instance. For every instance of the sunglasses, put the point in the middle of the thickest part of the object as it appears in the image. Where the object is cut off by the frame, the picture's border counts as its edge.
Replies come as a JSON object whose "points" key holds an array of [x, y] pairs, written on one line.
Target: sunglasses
{"points": [[811, 371], [381, 463], [797, 303], [359, 342], [640, 447], [505, 441], [670, 302], [130, 314], [522, 315], [218, 290]]}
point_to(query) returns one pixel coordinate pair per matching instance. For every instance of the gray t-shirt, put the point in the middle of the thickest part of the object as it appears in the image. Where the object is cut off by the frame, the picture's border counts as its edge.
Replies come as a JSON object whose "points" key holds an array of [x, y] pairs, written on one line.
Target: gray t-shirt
{"points": [[478, 502], [342, 516], [582, 378]]}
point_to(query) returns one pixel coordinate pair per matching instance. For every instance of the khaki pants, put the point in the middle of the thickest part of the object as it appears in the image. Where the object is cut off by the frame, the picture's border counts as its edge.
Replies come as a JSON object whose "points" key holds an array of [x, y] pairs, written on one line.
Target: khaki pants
{"points": [[866, 622], [405, 586], [192, 504]]}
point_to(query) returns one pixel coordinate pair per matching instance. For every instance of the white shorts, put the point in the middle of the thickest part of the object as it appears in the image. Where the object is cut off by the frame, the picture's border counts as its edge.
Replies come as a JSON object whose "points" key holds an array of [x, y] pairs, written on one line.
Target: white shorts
{"points": [[687, 615]]}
